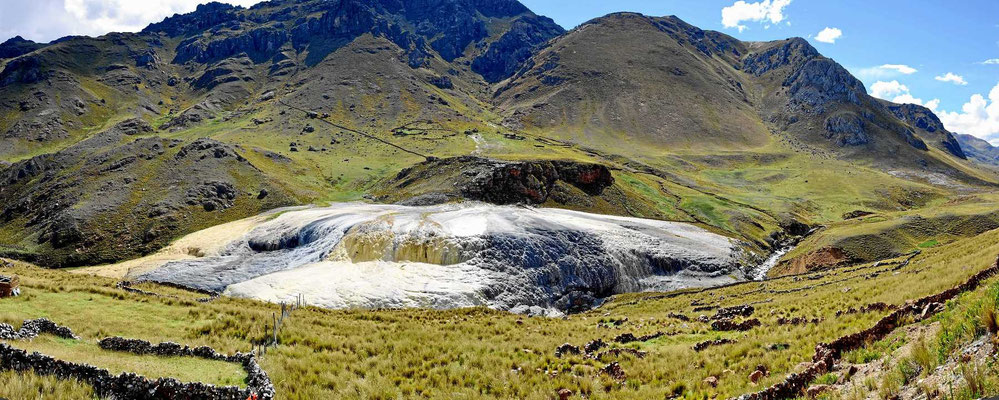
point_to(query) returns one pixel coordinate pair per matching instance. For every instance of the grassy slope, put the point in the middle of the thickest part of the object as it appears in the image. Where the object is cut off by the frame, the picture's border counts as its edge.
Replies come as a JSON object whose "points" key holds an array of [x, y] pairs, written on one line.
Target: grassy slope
{"points": [[484, 353]]}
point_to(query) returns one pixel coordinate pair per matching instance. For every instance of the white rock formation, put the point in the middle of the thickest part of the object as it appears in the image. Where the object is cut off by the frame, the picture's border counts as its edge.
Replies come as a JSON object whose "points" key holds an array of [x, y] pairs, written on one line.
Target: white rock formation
{"points": [[457, 255]]}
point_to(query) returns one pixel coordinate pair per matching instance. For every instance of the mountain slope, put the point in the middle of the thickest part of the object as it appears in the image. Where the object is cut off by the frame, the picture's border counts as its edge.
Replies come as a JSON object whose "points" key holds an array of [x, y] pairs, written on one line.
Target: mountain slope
{"points": [[979, 150], [318, 101], [661, 82]]}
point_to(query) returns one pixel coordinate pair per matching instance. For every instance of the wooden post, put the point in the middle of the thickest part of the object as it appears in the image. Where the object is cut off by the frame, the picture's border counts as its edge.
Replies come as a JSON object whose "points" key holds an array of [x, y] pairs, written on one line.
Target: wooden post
{"points": [[275, 328]]}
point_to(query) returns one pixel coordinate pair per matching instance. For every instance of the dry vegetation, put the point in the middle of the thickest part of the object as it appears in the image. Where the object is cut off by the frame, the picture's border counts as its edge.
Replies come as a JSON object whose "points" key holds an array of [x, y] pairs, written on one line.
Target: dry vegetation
{"points": [[473, 353]]}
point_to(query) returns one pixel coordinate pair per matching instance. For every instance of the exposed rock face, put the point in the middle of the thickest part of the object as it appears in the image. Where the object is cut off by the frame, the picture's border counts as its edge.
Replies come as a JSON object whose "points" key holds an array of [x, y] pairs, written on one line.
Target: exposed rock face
{"points": [[820, 81], [846, 129], [205, 16], [922, 118], [793, 53], [501, 182], [22, 70], [444, 27], [502, 58], [260, 43]]}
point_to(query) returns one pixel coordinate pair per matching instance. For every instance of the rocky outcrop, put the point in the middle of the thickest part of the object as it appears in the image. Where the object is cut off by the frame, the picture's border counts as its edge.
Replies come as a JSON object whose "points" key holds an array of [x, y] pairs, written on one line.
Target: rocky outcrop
{"points": [[700, 346], [791, 53], [846, 129], [732, 312], [821, 81], [18, 46], [205, 16], [731, 325], [504, 56], [503, 182], [922, 118], [26, 69], [259, 44]]}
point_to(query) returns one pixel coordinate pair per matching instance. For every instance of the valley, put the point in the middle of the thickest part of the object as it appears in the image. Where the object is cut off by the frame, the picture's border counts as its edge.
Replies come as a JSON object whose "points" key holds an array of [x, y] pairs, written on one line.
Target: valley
{"points": [[463, 199]]}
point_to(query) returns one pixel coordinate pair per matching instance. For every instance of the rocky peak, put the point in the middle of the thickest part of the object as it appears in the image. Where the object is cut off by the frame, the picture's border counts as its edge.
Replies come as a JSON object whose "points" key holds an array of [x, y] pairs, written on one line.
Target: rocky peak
{"points": [[204, 17], [18, 46], [793, 52], [922, 118], [421, 28]]}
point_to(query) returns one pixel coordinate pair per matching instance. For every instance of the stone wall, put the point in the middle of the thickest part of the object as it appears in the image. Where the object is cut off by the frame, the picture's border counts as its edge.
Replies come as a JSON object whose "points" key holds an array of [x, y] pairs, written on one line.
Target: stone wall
{"points": [[827, 354], [32, 328], [129, 385]]}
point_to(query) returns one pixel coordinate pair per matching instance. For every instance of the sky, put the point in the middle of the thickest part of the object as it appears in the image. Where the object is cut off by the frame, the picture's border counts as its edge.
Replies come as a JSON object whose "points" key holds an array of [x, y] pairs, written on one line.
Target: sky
{"points": [[941, 54]]}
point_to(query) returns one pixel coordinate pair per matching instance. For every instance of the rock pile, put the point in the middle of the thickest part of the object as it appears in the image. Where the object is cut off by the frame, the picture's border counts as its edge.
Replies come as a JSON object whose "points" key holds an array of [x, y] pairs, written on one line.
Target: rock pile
{"points": [[732, 312], [630, 337], [708, 343], [33, 327], [618, 352], [730, 325], [798, 320]]}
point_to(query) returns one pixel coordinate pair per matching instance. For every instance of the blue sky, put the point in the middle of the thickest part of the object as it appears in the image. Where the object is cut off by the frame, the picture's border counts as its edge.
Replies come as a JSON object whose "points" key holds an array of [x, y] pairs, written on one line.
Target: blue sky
{"points": [[902, 50]]}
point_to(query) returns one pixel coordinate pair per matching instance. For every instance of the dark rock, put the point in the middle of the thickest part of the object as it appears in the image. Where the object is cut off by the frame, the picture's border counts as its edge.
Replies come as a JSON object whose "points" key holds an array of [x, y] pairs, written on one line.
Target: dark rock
{"points": [[846, 129], [27, 69], [567, 349], [18, 46], [730, 325], [501, 182], [504, 56], [212, 196], [442, 82]]}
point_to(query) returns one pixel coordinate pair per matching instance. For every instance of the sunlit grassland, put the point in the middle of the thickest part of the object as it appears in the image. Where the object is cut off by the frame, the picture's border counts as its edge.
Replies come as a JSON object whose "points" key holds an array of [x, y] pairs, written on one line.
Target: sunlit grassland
{"points": [[474, 353]]}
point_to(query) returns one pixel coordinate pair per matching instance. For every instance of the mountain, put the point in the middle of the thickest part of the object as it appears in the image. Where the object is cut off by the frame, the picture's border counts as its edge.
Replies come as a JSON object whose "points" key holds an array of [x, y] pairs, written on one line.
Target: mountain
{"points": [[663, 83], [979, 150], [17, 46], [113, 146]]}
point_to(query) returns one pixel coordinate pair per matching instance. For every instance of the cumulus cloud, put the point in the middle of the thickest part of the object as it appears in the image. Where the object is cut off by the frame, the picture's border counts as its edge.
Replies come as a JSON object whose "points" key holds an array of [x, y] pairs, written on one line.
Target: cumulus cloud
{"points": [[829, 35], [766, 10], [46, 20], [886, 71], [898, 93], [979, 116], [991, 61], [953, 78], [901, 68]]}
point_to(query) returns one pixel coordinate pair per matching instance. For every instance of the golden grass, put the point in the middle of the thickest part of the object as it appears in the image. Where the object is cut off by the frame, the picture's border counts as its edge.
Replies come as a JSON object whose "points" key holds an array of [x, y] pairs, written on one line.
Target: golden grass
{"points": [[481, 353]]}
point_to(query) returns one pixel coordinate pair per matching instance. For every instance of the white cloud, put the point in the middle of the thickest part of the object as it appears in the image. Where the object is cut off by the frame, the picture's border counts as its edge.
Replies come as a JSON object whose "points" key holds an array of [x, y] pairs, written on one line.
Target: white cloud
{"points": [[991, 61], [979, 116], [888, 90], [829, 35], [898, 93], [885, 71], [901, 68], [952, 77], [766, 10], [46, 20]]}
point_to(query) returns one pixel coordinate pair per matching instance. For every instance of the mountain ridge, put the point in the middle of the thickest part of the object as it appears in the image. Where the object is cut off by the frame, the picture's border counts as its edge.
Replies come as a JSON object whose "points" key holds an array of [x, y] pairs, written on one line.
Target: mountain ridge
{"points": [[655, 99]]}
